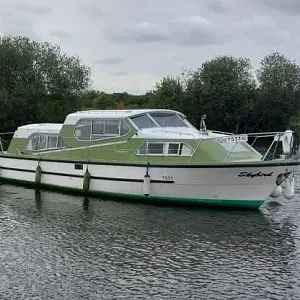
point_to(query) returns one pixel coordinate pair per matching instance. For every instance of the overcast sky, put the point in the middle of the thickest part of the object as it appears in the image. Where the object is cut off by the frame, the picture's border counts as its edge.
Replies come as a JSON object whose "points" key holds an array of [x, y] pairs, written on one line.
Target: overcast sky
{"points": [[131, 44]]}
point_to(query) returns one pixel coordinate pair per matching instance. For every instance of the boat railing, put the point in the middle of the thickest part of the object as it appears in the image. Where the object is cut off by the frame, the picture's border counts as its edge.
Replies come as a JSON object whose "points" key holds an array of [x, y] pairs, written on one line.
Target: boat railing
{"points": [[269, 149], [220, 132], [3, 140]]}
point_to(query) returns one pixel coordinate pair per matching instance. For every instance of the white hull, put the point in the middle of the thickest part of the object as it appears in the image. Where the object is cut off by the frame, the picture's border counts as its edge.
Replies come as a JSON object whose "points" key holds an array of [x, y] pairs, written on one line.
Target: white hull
{"points": [[190, 183]]}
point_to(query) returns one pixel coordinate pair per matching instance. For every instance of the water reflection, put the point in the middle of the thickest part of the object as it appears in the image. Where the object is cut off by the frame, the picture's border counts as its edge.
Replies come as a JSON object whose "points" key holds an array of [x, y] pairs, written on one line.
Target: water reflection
{"points": [[38, 202], [86, 202], [66, 246]]}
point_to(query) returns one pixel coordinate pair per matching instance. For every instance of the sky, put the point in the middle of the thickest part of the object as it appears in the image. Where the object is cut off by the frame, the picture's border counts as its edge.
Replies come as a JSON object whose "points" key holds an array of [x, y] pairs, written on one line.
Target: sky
{"points": [[132, 44]]}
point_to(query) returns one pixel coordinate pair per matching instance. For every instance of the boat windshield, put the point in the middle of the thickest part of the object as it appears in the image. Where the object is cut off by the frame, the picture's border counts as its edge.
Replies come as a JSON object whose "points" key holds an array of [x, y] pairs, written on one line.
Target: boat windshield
{"points": [[162, 119], [167, 119], [143, 121]]}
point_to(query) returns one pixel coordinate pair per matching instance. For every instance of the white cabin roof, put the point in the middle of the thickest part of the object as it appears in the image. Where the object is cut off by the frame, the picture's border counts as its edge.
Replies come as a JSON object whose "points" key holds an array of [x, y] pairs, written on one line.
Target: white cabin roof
{"points": [[73, 118], [26, 130]]}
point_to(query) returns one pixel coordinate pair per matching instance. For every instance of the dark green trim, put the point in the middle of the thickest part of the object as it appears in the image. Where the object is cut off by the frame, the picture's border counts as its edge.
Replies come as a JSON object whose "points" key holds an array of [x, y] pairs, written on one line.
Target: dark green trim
{"points": [[17, 169], [217, 165], [92, 177], [244, 204]]}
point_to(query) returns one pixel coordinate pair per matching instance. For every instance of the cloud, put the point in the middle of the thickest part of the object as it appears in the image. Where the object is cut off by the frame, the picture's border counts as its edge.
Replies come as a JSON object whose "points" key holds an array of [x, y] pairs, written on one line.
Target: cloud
{"points": [[90, 10], [17, 18], [142, 32], [217, 6], [108, 61], [197, 31], [188, 31], [291, 7], [264, 29], [120, 73], [61, 34], [16, 24], [37, 10]]}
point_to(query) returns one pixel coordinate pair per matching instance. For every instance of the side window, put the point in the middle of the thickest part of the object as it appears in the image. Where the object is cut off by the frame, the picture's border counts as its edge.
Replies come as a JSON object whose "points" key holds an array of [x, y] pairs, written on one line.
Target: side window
{"points": [[33, 143], [143, 121], [83, 130], [98, 129], [155, 148], [112, 127], [105, 129], [168, 149], [43, 141], [173, 148], [124, 128], [52, 141], [151, 148], [142, 150], [60, 142]]}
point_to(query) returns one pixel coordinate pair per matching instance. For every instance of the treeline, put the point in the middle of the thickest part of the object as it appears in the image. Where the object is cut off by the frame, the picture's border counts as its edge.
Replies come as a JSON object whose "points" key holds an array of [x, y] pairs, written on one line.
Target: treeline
{"points": [[39, 83]]}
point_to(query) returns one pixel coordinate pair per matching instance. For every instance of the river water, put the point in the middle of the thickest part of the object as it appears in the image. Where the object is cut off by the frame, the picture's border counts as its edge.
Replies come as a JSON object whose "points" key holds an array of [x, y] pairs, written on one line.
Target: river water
{"points": [[55, 246]]}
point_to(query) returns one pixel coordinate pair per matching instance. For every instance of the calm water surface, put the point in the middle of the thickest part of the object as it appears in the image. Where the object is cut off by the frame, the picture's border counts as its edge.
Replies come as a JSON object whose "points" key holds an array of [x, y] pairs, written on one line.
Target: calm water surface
{"points": [[55, 246]]}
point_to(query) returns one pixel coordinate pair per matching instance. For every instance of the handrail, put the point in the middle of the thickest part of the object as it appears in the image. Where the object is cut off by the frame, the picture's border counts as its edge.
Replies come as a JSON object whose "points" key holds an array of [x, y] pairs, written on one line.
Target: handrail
{"points": [[270, 133], [170, 131], [264, 157]]}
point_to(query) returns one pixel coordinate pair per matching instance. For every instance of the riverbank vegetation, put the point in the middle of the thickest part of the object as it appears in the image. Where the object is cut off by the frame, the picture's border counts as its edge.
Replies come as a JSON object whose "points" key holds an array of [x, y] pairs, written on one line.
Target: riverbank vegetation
{"points": [[39, 83]]}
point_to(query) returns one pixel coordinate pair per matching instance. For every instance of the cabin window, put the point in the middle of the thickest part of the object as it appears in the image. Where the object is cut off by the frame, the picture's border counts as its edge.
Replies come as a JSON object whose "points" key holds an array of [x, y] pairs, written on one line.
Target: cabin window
{"points": [[174, 148], [83, 130], [167, 119], [60, 142], [44, 141], [52, 142], [33, 143], [151, 148], [165, 149], [234, 147], [105, 129], [96, 129], [143, 121], [142, 150], [155, 148], [124, 128]]}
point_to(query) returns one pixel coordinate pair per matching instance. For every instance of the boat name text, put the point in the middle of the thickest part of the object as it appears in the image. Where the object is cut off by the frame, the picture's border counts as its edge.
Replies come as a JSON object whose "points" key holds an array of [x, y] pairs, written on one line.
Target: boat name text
{"points": [[168, 178], [252, 175]]}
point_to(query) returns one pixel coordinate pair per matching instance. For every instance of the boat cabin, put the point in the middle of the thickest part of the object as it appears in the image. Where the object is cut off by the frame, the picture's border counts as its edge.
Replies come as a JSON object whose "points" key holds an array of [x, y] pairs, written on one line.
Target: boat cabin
{"points": [[130, 135]]}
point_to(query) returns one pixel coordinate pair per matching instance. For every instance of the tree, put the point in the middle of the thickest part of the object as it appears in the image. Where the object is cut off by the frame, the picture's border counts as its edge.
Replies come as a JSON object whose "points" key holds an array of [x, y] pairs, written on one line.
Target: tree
{"points": [[279, 91], [223, 89], [168, 93], [104, 101], [36, 73]]}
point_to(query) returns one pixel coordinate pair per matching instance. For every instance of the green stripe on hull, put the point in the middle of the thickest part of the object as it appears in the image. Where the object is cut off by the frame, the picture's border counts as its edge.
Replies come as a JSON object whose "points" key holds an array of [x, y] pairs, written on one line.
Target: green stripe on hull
{"points": [[249, 204]]}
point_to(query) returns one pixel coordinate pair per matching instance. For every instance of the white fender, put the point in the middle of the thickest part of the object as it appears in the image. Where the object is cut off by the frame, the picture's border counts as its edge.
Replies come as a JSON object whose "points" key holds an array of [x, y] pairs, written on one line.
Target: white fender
{"points": [[147, 182], [86, 181], [38, 174], [277, 192], [287, 140]]}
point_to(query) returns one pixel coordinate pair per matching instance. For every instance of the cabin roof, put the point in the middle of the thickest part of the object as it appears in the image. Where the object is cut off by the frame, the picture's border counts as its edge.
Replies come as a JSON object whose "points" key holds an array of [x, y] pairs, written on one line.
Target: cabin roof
{"points": [[26, 130], [72, 119]]}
